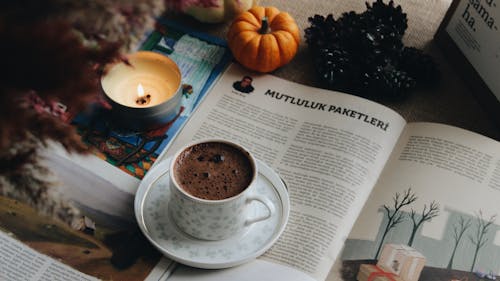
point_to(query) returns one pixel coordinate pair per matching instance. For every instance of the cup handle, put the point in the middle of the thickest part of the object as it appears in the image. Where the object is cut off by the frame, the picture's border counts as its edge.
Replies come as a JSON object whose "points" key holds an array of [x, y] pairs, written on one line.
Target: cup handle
{"points": [[264, 201]]}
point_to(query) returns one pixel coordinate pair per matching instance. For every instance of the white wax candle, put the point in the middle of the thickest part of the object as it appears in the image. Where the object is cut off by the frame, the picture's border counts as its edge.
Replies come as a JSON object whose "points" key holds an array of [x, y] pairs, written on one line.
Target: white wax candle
{"points": [[158, 75]]}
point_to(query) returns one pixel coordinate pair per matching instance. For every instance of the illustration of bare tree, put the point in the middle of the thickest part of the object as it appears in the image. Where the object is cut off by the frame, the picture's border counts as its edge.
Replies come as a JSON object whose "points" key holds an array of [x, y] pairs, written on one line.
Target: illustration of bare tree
{"points": [[426, 215], [394, 216], [459, 229], [479, 239]]}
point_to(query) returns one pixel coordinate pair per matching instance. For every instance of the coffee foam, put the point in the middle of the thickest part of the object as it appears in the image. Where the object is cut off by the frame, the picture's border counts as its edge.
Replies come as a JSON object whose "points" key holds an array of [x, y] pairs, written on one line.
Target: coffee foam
{"points": [[213, 170]]}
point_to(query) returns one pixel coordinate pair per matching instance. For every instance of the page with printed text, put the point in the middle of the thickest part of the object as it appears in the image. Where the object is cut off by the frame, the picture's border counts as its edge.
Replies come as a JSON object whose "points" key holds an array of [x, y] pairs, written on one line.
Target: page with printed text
{"points": [[436, 204], [328, 147]]}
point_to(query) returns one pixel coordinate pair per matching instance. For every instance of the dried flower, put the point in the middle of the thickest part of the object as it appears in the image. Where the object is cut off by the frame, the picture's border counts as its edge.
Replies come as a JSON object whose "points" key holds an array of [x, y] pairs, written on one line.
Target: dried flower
{"points": [[53, 50]]}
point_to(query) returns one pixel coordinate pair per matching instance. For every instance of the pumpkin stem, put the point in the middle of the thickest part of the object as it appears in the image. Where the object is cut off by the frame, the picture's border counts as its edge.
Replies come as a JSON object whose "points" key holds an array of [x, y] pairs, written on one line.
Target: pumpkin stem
{"points": [[265, 26]]}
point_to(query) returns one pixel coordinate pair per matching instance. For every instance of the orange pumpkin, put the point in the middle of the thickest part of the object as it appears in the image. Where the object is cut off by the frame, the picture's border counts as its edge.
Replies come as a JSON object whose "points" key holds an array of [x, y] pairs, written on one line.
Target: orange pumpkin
{"points": [[263, 38]]}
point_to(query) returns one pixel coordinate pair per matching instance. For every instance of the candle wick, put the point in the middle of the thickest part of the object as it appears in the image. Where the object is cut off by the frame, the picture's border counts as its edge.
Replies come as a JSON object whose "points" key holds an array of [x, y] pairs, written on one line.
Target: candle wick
{"points": [[143, 100]]}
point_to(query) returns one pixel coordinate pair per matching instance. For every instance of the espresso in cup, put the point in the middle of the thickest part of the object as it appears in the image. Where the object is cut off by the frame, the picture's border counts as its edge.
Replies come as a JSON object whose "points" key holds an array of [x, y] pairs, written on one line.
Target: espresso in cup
{"points": [[212, 187], [213, 170]]}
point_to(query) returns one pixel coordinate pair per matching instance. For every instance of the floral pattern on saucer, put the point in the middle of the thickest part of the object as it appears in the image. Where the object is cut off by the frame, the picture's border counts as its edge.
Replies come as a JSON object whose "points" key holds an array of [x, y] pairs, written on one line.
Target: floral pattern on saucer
{"points": [[151, 208]]}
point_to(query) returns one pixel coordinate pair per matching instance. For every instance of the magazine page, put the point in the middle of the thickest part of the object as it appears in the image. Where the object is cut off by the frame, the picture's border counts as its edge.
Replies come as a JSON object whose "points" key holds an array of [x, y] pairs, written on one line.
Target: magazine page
{"points": [[259, 269], [328, 147], [77, 210], [434, 209], [23, 263]]}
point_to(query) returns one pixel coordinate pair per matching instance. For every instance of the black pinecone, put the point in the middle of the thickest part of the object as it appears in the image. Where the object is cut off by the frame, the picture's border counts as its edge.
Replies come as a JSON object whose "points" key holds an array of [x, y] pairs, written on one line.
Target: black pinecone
{"points": [[352, 28], [420, 66], [322, 33], [387, 82], [382, 40], [334, 67], [388, 14], [363, 53]]}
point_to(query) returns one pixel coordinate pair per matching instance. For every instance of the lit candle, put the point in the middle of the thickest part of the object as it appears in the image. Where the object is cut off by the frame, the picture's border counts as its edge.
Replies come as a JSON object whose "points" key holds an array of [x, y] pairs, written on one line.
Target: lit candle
{"points": [[142, 98], [144, 93]]}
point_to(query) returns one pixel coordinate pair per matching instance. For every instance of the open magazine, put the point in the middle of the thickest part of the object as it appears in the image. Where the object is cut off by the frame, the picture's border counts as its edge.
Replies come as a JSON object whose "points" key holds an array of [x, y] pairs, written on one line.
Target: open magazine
{"points": [[99, 241], [370, 194], [74, 218]]}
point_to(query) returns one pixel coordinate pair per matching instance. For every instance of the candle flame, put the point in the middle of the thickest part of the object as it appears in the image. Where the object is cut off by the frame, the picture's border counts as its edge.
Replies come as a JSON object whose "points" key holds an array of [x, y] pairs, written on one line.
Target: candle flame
{"points": [[140, 90]]}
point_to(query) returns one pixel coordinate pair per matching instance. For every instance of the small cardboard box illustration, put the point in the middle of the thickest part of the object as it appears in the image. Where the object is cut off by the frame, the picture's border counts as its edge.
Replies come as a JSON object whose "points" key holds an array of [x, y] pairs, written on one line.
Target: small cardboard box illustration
{"points": [[371, 272], [402, 260]]}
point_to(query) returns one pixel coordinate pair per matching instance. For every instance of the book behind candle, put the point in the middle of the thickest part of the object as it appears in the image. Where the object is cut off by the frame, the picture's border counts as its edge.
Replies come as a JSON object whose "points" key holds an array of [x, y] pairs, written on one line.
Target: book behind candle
{"points": [[470, 39]]}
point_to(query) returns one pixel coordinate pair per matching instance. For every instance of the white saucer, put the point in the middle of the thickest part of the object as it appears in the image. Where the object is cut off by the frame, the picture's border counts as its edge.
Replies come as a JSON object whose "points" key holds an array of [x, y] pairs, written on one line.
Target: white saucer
{"points": [[151, 205]]}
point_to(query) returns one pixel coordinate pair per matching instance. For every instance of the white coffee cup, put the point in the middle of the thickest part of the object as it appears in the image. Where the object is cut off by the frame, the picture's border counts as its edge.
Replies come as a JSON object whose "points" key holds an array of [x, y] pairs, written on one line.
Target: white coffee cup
{"points": [[216, 219]]}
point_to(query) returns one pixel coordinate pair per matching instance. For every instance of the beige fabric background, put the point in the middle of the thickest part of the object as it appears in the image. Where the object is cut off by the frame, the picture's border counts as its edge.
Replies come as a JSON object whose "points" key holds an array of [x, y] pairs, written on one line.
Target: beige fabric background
{"points": [[451, 103]]}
